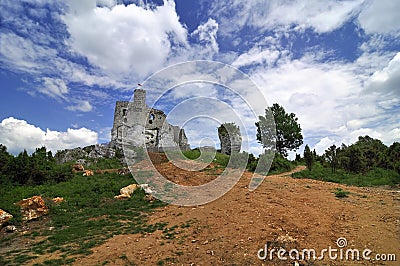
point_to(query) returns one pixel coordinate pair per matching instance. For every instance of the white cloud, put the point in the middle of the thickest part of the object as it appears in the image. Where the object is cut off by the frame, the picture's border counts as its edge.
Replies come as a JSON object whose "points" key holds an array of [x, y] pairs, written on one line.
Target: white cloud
{"points": [[387, 80], [18, 135], [315, 92], [24, 55], [125, 39], [321, 16], [336, 101], [380, 17], [54, 88], [207, 33], [257, 55], [323, 144], [83, 106]]}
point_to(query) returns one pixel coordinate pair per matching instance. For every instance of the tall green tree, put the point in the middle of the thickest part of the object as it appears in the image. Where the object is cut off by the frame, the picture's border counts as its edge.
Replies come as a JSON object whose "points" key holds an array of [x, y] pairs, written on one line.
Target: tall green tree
{"points": [[288, 131], [308, 157], [332, 158], [5, 162]]}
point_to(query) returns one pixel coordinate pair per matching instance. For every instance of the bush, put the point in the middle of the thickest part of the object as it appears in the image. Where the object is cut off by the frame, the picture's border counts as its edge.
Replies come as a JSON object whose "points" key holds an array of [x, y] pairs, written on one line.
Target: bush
{"points": [[340, 193], [280, 164], [239, 160]]}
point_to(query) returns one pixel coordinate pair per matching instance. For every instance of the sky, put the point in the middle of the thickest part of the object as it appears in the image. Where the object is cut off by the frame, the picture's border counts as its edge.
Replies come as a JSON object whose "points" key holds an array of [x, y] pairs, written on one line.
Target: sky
{"points": [[64, 64]]}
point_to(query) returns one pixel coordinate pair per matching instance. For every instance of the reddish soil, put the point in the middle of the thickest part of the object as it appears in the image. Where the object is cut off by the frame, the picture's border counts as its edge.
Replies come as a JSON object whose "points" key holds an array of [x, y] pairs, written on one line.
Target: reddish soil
{"points": [[283, 212]]}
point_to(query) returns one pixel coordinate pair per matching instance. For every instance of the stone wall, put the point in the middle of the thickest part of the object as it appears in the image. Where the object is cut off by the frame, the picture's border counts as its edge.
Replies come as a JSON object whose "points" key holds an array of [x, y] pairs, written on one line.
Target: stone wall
{"points": [[230, 138], [140, 125]]}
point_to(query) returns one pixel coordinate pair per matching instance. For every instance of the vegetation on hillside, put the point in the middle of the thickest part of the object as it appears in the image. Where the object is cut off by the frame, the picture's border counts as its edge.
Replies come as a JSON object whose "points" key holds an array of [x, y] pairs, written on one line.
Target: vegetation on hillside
{"points": [[88, 216], [367, 162], [35, 169]]}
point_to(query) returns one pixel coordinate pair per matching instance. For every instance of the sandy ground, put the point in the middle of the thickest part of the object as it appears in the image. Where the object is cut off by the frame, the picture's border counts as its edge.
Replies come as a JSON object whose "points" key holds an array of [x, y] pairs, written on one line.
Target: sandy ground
{"points": [[286, 213]]}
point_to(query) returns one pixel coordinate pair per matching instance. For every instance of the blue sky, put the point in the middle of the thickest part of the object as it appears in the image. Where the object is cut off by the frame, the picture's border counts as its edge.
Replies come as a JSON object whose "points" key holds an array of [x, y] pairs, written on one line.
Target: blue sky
{"points": [[335, 64]]}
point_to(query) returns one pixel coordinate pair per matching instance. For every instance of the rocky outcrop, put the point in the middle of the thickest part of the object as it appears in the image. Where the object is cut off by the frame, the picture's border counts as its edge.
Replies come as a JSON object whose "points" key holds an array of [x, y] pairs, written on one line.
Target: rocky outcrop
{"points": [[78, 155], [4, 217], [230, 138], [100, 151], [70, 155], [33, 208]]}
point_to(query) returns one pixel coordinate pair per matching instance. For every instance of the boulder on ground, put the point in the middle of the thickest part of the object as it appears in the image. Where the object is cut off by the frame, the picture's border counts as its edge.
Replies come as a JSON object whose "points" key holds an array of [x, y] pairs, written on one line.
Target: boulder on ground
{"points": [[123, 171], [127, 191], [10, 228], [4, 217], [88, 173], [149, 198], [78, 168], [32, 208]]}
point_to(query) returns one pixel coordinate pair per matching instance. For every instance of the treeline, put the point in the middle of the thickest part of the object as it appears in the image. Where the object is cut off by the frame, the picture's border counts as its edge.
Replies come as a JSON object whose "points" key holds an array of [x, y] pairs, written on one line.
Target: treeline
{"points": [[35, 169], [361, 157]]}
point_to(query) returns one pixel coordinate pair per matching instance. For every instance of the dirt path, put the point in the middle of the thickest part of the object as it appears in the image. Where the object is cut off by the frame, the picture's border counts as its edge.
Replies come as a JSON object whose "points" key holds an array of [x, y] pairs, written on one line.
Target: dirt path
{"points": [[283, 212]]}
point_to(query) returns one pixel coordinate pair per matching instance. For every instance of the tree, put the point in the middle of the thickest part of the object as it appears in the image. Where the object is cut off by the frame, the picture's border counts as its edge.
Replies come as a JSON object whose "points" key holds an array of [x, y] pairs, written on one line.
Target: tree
{"points": [[288, 131], [5, 162], [308, 157], [393, 154], [331, 156], [374, 152]]}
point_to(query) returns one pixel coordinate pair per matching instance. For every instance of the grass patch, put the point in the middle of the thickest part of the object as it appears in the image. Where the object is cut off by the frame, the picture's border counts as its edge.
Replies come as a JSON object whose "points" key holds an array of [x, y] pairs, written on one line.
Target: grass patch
{"points": [[375, 177], [88, 216], [217, 158]]}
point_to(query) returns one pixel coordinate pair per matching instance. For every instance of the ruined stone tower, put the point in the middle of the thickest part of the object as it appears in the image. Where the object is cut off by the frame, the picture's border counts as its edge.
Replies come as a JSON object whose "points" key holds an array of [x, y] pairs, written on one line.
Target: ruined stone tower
{"points": [[230, 138], [142, 126]]}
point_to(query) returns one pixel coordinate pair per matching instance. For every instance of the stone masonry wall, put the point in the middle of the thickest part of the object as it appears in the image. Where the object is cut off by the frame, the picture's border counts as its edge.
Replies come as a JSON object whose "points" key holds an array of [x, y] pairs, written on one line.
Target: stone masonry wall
{"points": [[144, 126]]}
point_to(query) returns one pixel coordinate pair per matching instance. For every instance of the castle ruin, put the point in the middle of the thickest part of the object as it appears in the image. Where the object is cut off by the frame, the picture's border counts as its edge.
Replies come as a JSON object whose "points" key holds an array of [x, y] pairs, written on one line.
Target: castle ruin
{"points": [[138, 125]]}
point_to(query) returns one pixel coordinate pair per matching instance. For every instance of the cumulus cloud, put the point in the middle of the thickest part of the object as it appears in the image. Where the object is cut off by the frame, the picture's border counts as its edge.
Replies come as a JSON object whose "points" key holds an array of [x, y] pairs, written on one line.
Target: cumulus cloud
{"points": [[323, 145], [336, 101], [207, 33], [18, 135], [125, 39], [387, 80], [380, 17]]}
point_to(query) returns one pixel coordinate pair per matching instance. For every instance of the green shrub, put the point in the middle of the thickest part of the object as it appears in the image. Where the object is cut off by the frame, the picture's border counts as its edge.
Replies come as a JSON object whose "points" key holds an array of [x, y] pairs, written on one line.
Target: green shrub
{"points": [[280, 164], [340, 193], [238, 160]]}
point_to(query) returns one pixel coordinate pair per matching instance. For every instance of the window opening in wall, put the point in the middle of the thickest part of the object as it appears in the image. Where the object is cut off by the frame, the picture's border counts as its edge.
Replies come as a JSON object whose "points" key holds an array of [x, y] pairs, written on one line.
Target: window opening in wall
{"points": [[151, 118]]}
